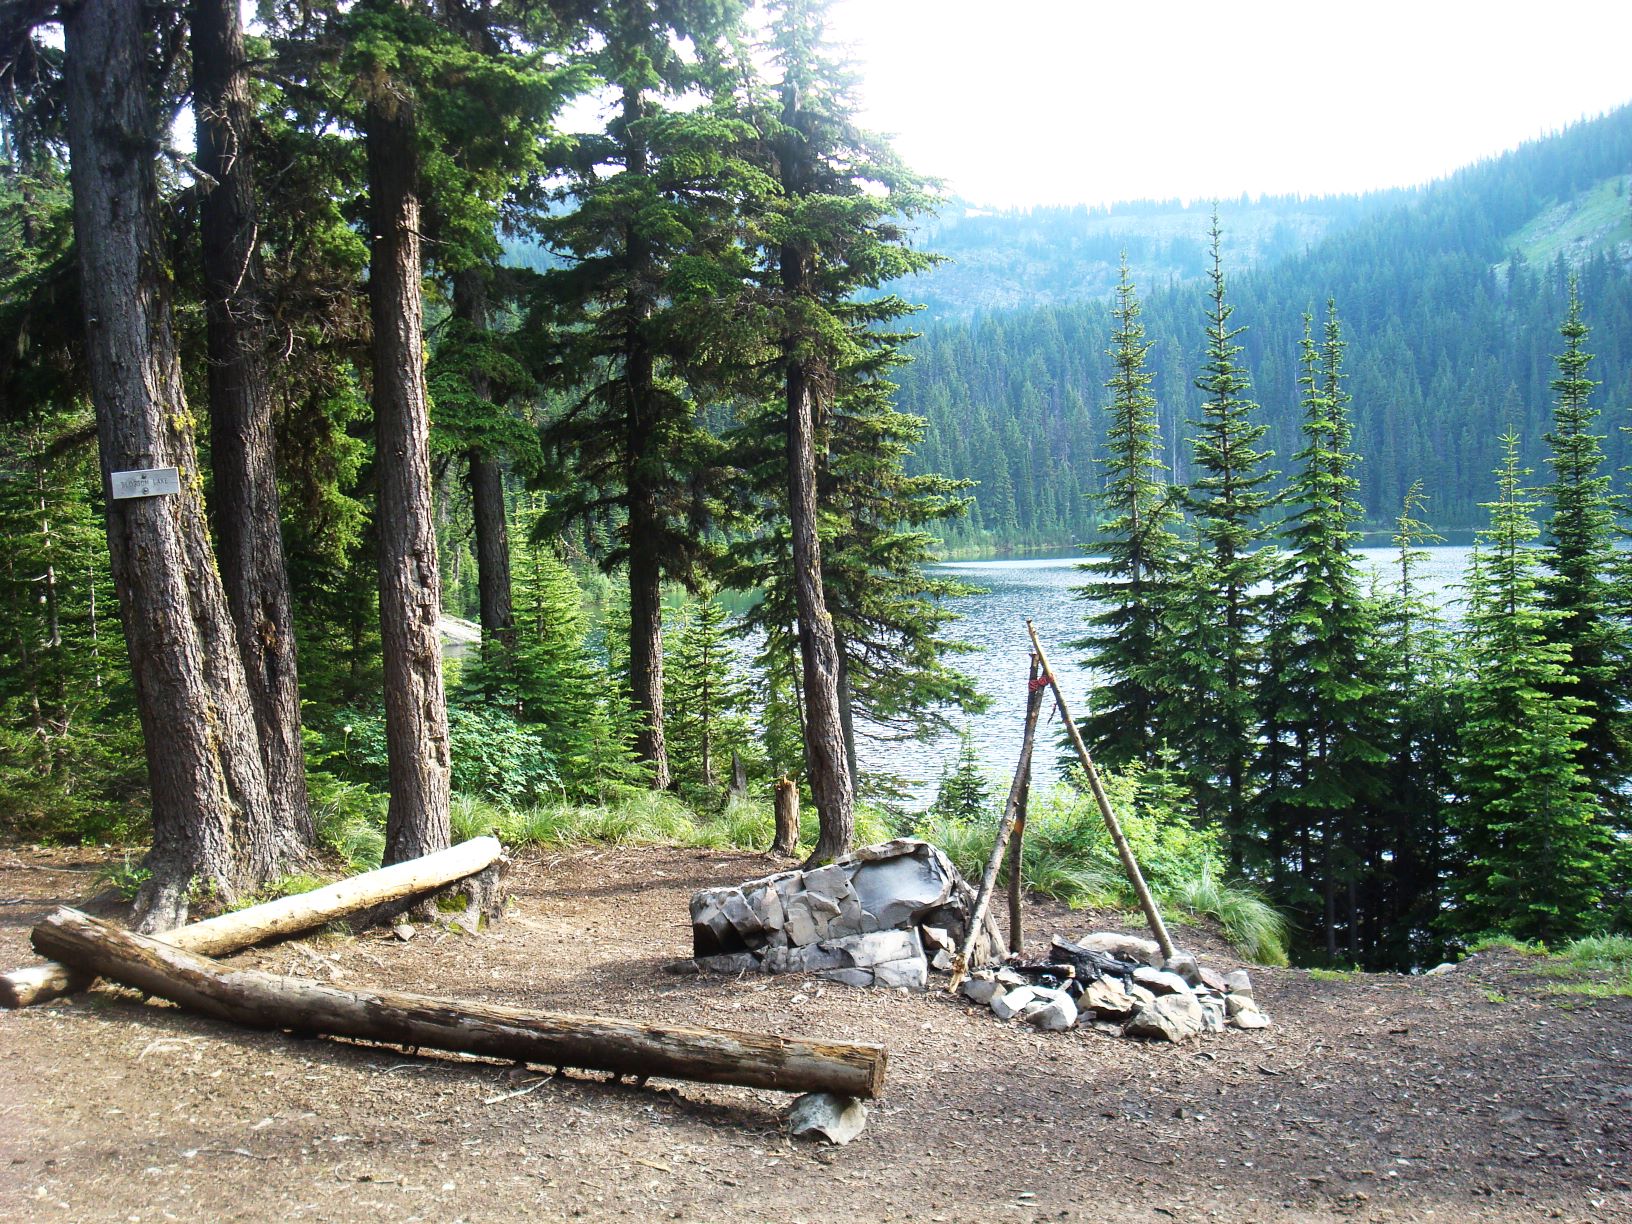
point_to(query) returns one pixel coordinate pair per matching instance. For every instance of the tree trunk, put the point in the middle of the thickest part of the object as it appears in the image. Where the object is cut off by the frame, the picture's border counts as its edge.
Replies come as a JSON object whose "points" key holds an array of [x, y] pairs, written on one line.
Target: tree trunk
{"points": [[625, 1047], [825, 761], [285, 916], [487, 490], [247, 521], [646, 645], [847, 710], [786, 841], [416, 715], [645, 556], [207, 779]]}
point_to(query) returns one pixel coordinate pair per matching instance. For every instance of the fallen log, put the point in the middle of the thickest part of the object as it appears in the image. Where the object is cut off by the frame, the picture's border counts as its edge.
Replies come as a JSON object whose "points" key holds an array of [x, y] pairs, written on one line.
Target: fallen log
{"points": [[270, 1001], [286, 916]]}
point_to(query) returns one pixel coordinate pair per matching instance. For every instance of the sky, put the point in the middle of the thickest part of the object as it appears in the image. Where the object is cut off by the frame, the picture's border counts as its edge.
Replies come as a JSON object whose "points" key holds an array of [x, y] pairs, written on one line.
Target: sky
{"points": [[1047, 102]]}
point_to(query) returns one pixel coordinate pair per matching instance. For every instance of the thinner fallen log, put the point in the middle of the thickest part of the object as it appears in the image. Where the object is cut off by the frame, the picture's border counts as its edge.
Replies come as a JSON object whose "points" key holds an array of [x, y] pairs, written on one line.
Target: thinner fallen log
{"points": [[1153, 916], [285, 916], [269, 1001], [787, 818], [1011, 812]]}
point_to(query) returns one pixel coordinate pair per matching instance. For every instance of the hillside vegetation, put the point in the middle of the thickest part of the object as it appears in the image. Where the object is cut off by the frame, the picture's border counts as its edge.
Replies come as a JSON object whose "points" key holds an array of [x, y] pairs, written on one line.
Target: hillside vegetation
{"points": [[1451, 301]]}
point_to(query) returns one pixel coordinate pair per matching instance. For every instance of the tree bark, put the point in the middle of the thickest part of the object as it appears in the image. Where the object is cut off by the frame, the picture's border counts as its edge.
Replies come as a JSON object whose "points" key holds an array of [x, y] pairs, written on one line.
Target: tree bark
{"points": [[625, 1047], [285, 916], [248, 524], [416, 715], [825, 758], [825, 762], [205, 772], [470, 305], [786, 841], [847, 710]]}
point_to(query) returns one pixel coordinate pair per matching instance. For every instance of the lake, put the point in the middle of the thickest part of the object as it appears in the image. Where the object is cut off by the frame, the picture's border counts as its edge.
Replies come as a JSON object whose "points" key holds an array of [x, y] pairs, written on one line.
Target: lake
{"points": [[994, 621]]}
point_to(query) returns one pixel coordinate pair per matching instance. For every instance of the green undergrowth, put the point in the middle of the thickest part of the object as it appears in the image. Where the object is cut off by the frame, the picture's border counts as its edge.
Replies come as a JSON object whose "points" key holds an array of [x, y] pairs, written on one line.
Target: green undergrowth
{"points": [[1068, 854], [1596, 967], [350, 822]]}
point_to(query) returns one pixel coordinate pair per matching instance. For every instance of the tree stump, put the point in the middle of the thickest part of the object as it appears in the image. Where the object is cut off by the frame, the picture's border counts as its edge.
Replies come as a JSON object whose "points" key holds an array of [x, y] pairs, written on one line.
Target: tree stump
{"points": [[787, 818]]}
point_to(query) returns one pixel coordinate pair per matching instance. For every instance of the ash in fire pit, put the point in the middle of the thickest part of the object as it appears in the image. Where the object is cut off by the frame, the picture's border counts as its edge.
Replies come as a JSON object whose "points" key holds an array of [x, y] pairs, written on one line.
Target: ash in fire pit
{"points": [[881, 917]]}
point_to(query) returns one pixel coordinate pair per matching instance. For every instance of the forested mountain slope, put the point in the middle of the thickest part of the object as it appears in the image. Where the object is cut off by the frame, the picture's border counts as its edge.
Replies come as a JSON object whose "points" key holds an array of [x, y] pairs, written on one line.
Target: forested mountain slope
{"points": [[1451, 301], [1059, 256]]}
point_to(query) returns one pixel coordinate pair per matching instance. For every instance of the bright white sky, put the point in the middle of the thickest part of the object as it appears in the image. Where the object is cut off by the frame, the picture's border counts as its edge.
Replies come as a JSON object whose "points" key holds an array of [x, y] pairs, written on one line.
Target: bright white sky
{"points": [[1023, 102]]}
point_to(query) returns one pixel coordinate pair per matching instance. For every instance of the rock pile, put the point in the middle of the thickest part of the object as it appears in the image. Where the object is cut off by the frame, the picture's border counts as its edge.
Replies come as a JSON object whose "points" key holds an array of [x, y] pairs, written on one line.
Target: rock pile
{"points": [[882, 917], [1121, 984]]}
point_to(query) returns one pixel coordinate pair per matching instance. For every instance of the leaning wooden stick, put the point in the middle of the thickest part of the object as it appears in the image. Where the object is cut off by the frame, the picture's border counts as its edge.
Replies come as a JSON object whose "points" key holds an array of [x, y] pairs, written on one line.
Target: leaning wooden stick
{"points": [[286, 916], [1129, 864], [1011, 811], [1017, 856], [270, 1001]]}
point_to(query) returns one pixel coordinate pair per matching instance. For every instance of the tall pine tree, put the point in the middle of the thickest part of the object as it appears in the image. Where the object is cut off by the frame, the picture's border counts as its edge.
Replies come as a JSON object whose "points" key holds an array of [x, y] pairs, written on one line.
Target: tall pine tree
{"points": [[1325, 697], [1212, 708], [1531, 853], [1580, 558], [1127, 648]]}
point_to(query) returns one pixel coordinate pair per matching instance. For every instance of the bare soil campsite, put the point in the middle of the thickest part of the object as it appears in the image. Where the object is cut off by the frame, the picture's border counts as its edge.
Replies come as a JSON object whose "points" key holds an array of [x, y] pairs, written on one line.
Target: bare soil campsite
{"points": [[1484, 1093]]}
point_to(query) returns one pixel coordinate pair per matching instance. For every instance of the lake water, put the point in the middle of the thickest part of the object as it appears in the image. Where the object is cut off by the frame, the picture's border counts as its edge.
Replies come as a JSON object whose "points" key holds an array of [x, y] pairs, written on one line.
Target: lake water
{"points": [[994, 621]]}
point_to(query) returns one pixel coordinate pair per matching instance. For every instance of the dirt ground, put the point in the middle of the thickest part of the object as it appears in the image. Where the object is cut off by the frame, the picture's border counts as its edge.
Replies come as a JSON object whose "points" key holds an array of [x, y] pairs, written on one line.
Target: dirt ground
{"points": [[1472, 1096]]}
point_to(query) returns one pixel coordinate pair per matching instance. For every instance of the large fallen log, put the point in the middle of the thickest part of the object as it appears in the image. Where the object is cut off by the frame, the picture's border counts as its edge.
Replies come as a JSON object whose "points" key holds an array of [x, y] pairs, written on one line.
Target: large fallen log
{"points": [[270, 1001], [285, 916]]}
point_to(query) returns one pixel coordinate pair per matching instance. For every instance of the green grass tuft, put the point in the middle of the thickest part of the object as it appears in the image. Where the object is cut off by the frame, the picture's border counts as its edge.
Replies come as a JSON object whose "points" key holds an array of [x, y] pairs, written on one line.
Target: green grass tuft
{"points": [[1609, 953], [1334, 975], [1251, 924], [1506, 943]]}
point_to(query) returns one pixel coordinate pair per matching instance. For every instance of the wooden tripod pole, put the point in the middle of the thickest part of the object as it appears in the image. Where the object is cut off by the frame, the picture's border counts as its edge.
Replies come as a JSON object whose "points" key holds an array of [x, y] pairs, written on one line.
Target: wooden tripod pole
{"points": [[1011, 810], [1129, 864]]}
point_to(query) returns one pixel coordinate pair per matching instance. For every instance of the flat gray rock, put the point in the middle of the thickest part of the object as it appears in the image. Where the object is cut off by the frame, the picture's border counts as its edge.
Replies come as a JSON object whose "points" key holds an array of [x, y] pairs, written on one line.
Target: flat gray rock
{"points": [[981, 990], [1186, 966], [1247, 1015], [896, 891], [837, 1119], [1011, 1003], [1237, 982], [730, 962], [1105, 997], [1173, 1017], [908, 974], [1051, 1010], [1159, 981]]}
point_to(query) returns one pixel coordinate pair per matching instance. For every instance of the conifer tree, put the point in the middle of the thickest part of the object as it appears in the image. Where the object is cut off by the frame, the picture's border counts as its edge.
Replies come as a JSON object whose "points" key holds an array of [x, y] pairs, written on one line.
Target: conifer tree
{"points": [[1415, 668], [551, 681], [964, 794], [1212, 709], [1128, 645], [647, 247], [1580, 559], [707, 697], [1531, 853], [1325, 697], [834, 229]]}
